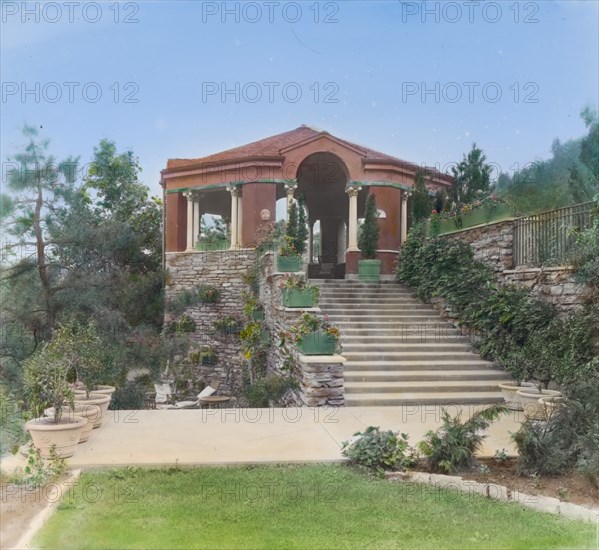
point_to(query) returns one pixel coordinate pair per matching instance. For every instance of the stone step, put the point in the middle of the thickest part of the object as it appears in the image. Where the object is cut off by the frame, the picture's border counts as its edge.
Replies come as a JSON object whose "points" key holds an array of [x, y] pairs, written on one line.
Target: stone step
{"points": [[382, 312], [376, 302], [375, 342], [432, 386], [403, 333], [417, 398], [357, 316], [397, 344], [422, 375], [409, 356], [442, 365]]}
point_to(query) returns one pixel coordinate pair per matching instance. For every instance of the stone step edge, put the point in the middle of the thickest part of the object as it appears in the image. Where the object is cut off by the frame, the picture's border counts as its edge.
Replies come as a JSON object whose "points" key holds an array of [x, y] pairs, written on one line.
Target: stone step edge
{"points": [[500, 493]]}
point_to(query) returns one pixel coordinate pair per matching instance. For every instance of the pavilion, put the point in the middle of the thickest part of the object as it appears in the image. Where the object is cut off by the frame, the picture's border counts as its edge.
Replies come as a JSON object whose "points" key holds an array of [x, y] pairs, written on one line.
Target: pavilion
{"points": [[334, 176]]}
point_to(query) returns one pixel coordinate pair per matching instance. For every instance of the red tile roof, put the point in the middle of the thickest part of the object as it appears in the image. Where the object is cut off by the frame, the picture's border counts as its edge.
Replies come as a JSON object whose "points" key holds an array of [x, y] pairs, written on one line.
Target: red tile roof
{"points": [[273, 145]]}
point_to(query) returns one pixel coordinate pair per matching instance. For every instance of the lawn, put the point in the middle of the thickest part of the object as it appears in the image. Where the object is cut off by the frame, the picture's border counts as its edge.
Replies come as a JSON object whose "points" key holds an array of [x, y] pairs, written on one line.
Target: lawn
{"points": [[325, 506]]}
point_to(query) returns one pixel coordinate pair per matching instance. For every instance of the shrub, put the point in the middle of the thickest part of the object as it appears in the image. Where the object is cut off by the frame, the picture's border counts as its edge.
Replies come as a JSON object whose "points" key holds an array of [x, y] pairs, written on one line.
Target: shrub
{"points": [[12, 429], [523, 334], [379, 450], [206, 355], [184, 325], [568, 439], [130, 396], [204, 294], [269, 388], [453, 446], [230, 324]]}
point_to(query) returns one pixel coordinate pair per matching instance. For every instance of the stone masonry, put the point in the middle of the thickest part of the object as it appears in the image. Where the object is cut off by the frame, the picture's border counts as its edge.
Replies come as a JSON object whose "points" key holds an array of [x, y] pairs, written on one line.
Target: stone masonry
{"points": [[493, 244], [320, 379], [225, 270]]}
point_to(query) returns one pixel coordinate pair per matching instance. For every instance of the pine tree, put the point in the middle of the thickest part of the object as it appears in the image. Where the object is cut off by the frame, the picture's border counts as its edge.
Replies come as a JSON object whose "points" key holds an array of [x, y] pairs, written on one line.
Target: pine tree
{"points": [[421, 201], [369, 237], [471, 175]]}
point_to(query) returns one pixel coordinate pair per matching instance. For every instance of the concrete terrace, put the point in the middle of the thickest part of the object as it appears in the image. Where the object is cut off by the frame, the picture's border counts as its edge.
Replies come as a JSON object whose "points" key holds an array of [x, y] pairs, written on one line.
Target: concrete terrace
{"points": [[254, 436]]}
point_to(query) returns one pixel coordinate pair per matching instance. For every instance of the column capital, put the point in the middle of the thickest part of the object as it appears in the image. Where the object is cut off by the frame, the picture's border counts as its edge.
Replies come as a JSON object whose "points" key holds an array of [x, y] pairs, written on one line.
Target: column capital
{"points": [[405, 195], [290, 185], [234, 190], [188, 195], [353, 190]]}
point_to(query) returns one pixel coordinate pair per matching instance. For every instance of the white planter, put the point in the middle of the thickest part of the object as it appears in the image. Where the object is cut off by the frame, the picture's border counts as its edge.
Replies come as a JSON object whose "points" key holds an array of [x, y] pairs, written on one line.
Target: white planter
{"points": [[91, 413], [64, 435], [510, 391], [535, 409], [100, 399]]}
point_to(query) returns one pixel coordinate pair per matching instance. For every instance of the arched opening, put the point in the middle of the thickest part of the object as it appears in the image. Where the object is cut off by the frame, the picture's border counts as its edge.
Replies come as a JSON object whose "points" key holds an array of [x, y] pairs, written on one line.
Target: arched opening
{"points": [[322, 178]]}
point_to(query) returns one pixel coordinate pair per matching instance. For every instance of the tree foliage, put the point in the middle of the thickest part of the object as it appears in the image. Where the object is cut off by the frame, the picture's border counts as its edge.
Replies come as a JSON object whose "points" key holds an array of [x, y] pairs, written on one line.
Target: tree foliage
{"points": [[90, 251], [570, 176], [421, 200], [471, 176]]}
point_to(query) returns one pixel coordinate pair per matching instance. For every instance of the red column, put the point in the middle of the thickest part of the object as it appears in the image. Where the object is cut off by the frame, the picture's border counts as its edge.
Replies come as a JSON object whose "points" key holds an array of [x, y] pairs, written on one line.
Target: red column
{"points": [[256, 200]]}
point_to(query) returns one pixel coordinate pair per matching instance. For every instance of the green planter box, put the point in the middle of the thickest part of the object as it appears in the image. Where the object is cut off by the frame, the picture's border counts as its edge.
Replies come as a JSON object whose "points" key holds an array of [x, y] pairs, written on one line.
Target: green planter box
{"points": [[258, 315], [445, 226], [265, 336], [501, 212], [292, 297], [317, 343], [213, 246], [369, 270], [289, 264]]}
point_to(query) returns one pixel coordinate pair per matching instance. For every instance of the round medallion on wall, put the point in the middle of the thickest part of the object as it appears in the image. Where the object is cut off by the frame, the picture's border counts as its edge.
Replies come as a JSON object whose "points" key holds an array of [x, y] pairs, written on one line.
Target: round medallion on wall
{"points": [[265, 214]]}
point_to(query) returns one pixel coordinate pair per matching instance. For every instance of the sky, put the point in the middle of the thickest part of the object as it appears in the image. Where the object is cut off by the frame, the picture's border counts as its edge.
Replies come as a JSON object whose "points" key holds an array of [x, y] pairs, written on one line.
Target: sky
{"points": [[418, 80]]}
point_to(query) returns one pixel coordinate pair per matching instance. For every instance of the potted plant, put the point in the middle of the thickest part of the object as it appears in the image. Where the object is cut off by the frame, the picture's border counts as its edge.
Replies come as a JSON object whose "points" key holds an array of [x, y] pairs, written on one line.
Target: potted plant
{"points": [[230, 324], [251, 307], [288, 260], [315, 335], [206, 355], [45, 382], [297, 292], [369, 268]]}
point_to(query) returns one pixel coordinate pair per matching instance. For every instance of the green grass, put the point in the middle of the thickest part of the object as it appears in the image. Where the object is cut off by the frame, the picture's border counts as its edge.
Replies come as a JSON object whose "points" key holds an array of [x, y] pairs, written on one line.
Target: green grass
{"points": [[328, 506]]}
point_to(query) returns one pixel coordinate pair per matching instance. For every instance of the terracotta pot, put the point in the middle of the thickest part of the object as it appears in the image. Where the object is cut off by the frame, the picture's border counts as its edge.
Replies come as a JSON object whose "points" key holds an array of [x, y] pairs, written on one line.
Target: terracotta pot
{"points": [[100, 399], [65, 434], [91, 413], [107, 390], [533, 408]]}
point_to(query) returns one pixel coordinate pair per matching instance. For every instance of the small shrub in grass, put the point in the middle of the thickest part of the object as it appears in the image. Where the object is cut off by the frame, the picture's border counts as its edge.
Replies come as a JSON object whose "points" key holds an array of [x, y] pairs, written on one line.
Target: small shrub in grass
{"points": [[130, 397], [452, 447], [380, 450], [270, 388]]}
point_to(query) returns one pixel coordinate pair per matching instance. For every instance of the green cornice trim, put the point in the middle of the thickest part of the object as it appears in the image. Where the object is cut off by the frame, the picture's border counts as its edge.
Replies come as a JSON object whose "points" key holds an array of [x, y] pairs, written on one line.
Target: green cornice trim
{"points": [[227, 184], [379, 184], [384, 184]]}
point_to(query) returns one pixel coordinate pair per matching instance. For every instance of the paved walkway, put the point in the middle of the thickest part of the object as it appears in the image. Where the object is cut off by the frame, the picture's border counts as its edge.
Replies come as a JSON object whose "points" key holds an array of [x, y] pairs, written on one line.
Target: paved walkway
{"points": [[236, 436]]}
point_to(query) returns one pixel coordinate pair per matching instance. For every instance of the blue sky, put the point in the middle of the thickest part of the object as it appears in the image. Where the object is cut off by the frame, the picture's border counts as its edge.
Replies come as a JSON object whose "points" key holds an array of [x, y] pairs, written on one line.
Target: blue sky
{"points": [[361, 69]]}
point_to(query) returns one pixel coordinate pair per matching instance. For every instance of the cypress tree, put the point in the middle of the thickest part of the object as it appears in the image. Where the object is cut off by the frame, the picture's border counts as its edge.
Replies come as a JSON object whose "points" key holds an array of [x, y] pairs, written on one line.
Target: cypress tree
{"points": [[301, 233], [369, 237]]}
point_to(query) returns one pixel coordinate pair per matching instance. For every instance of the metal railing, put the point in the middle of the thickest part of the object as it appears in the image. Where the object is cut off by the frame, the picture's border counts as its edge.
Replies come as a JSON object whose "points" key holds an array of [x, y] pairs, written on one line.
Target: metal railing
{"points": [[549, 238]]}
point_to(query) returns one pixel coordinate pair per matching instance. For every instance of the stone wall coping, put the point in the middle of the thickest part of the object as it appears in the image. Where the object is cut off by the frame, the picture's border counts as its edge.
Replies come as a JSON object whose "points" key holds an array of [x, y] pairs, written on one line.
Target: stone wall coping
{"points": [[321, 359], [479, 226], [297, 309], [538, 269], [226, 250]]}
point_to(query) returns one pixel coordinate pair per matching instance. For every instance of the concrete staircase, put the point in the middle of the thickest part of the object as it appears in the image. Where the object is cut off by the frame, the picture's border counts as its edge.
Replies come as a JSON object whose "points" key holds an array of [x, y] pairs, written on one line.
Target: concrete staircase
{"points": [[399, 350]]}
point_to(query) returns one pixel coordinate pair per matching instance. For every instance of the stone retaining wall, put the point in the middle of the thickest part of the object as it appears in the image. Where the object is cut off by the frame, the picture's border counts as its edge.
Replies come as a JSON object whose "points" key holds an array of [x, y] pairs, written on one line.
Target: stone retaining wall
{"points": [[320, 381], [225, 270], [493, 245]]}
